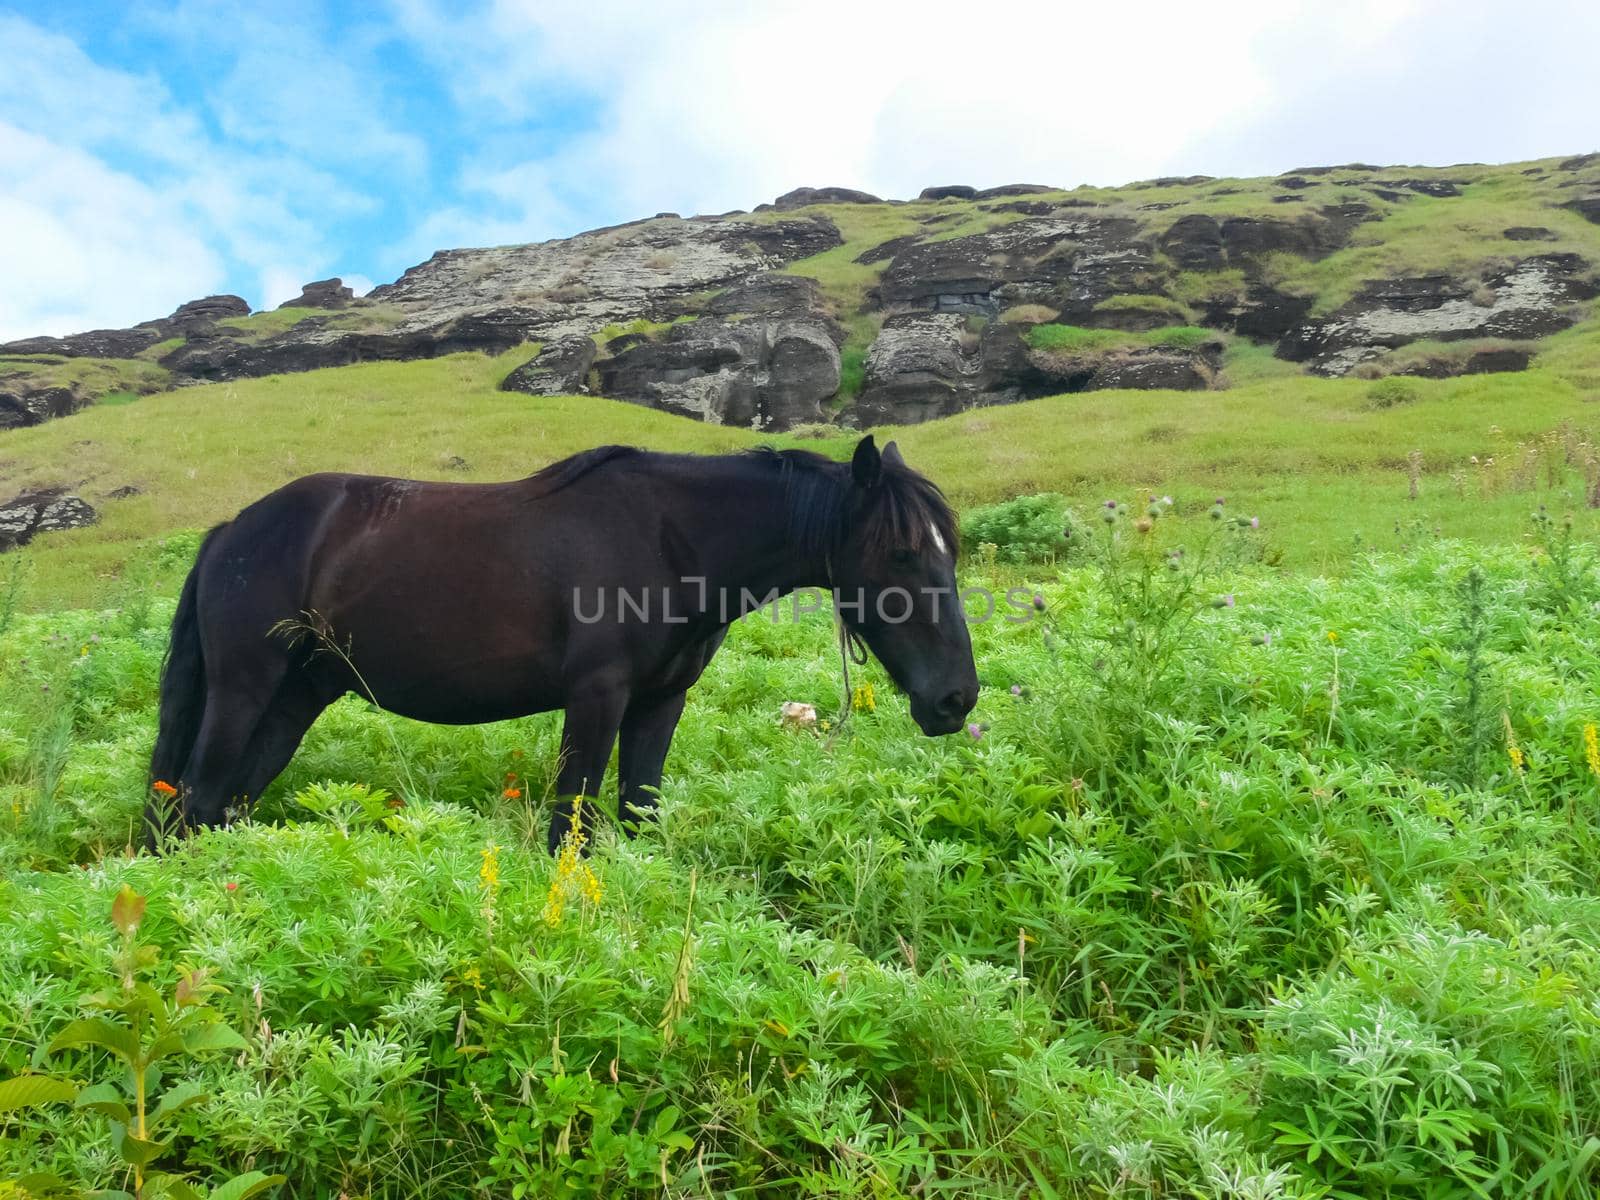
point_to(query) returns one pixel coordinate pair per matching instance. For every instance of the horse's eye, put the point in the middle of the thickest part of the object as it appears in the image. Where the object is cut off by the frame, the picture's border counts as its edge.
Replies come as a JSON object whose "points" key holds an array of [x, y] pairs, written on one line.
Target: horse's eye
{"points": [[904, 558]]}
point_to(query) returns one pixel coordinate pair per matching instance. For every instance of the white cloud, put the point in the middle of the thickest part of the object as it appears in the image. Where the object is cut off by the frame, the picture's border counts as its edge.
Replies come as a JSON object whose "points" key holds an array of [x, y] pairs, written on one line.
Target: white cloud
{"points": [[85, 246], [119, 204], [725, 104]]}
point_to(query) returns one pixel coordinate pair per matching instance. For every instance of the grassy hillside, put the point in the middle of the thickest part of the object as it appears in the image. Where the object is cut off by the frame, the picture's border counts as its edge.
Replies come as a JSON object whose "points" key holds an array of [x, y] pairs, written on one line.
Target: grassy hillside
{"points": [[1324, 462]]}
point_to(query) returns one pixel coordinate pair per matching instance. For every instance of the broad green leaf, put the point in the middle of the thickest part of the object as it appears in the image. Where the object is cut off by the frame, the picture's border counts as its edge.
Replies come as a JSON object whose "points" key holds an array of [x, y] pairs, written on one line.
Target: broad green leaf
{"points": [[30, 1091], [138, 1151], [97, 1031], [107, 1099], [213, 1037], [158, 1185], [244, 1186], [178, 1097], [164, 1047]]}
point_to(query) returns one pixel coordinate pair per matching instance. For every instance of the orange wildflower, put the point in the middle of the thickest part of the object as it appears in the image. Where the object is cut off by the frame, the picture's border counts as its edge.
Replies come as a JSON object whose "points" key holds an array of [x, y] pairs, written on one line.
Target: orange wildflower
{"points": [[512, 793], [162, 788]]}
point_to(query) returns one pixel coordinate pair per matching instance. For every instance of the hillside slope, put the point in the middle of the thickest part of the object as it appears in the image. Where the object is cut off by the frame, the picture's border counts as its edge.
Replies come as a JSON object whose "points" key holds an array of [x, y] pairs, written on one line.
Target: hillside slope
{"points": [[831, 305], [1324, 462]]}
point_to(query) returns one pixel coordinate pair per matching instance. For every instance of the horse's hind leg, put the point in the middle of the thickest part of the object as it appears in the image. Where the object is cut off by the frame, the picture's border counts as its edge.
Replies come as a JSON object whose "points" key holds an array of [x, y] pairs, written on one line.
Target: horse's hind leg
{"points": [[281, 729], [213, 779]]}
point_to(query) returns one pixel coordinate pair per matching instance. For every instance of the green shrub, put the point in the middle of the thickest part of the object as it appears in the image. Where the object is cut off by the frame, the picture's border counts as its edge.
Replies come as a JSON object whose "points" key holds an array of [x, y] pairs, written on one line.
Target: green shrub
{"points": [[1393, 391], [1026, 529]]}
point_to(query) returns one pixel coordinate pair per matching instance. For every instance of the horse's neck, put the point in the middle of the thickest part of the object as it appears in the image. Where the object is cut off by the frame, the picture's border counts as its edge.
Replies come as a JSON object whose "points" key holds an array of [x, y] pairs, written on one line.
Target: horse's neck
{"points": [[738, 528]]}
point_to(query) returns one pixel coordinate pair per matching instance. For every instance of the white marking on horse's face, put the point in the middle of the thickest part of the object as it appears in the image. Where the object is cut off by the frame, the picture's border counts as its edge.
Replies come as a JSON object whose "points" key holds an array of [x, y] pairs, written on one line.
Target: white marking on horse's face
{"points": [[938, 539]]}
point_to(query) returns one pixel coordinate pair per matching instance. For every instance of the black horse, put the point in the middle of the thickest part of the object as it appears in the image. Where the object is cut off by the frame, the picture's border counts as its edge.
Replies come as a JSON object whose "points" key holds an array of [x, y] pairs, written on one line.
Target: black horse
{"points": [[601, 585]]}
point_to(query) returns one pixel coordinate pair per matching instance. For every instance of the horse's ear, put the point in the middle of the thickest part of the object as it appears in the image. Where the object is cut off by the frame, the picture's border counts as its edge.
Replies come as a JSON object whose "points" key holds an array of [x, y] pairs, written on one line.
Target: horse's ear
{"points": [[867, 465], [891, 457]]}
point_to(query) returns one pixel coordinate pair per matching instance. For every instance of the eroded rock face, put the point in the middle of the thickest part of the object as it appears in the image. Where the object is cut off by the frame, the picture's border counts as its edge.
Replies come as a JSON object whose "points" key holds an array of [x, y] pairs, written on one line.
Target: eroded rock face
{"points": [[24, 517], [96, 343], [197, 316], [762, 372], [732, 338], [1069, 263], [1531, 299], [934, 364], [24, 402]]}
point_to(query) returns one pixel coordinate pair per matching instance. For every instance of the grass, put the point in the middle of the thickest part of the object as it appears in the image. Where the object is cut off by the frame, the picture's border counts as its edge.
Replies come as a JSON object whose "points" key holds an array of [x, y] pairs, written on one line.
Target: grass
{"points": [[1228, 898], [91, 377], [259, 326], [1075, 339], [1318, 461]]}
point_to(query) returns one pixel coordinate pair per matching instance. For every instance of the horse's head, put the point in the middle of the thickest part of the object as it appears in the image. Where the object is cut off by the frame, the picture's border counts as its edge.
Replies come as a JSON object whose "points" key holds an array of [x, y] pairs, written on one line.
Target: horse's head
{"points": [[893, 569]]}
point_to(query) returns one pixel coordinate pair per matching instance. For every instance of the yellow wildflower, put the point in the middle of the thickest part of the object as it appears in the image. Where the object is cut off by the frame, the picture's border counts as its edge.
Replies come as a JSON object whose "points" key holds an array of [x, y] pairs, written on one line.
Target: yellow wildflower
{"points": [[1513, 751], [472, 976], [1591, 748], [862, 700], [1333, 635], [489, 872], [574, 876], [489, 881]]}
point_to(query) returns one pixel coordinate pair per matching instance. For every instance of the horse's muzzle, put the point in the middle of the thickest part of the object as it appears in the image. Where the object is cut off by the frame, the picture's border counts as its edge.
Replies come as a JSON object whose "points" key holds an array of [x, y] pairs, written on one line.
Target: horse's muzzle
{"points": [[947, 713]]}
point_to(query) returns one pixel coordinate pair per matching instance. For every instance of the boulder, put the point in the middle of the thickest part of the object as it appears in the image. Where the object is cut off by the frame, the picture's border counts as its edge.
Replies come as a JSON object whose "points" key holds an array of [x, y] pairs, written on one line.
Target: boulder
{"points": [[1480, 362], [24, 517], [201, 314], [761, 372], [561, 368], [923, 366], [1013, 189], [949, 191], [1587, 207], [324, 293], [803, 196], [26, 402], [1580, 162], [1168, 370], [1529, 233]]}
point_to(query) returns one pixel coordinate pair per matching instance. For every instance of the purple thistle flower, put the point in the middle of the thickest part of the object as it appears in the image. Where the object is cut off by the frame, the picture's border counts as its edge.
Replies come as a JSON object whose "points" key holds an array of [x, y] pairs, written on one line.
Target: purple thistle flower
{"points": [[1255, 522], [1016, 689], [976, 731]]}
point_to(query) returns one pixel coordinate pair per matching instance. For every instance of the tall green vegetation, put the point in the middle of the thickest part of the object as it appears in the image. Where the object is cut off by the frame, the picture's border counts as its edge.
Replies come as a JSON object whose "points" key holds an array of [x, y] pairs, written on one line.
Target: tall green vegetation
{"points": [[1241, 883]]}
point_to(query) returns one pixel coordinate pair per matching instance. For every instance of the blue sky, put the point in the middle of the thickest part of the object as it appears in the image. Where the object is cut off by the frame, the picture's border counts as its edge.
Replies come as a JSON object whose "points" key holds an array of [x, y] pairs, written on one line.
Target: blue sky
{"points": [[154, 152]]}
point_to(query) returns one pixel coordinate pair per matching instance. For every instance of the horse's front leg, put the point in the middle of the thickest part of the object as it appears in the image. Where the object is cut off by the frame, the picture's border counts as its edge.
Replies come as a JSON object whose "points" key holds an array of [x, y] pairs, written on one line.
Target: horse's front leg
{"points": [[593, 715], [647, 730]]}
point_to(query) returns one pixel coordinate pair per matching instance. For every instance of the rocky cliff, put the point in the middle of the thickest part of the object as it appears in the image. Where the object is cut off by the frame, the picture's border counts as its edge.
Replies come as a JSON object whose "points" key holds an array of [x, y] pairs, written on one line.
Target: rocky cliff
{"points": [[832, 305]]}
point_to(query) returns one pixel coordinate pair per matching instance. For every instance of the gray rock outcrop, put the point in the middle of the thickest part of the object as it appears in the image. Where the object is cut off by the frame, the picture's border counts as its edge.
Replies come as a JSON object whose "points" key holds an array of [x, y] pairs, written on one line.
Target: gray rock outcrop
{"points": [[24, 517]]}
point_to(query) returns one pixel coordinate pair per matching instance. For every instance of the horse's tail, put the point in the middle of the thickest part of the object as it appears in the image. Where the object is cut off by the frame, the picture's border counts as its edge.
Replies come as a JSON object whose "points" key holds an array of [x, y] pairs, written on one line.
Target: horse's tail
{"points": [[183, 685]]}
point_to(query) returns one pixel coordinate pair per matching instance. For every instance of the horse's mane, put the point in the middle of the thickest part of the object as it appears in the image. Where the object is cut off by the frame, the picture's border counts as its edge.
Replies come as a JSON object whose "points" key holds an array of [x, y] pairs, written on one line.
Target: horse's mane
{"points": [[903, 512]]}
